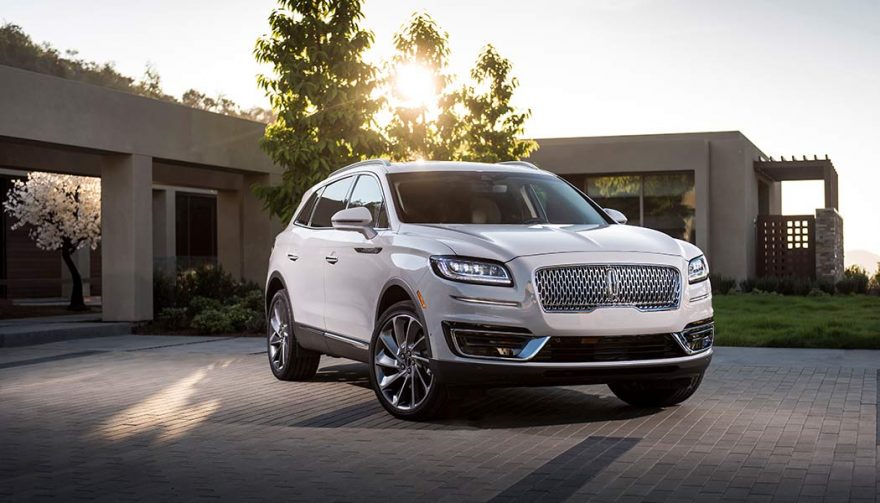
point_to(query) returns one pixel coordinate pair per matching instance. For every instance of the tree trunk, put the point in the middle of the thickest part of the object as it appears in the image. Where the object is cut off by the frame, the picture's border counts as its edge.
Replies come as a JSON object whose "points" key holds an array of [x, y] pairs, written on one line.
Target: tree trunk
{"points": [[76, 295]]}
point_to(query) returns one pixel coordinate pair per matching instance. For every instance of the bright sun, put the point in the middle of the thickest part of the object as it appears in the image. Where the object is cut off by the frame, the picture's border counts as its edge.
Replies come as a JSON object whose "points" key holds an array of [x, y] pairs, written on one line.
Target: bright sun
{"points": [[414, 86]]}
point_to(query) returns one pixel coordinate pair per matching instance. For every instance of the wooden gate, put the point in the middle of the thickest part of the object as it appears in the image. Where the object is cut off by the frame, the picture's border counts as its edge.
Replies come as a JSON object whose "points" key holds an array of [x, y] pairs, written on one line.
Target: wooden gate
{"points": [[786, 246]]}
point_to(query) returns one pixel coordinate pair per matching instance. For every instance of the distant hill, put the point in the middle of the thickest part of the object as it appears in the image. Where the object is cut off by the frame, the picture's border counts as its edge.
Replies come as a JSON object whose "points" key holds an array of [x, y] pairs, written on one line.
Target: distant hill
{"points": [[862, 258]]}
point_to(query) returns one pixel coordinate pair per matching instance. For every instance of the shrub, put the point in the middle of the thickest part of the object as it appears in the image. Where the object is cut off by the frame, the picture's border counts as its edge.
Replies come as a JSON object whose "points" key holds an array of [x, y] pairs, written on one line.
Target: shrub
{"points": [[722, 285], [208, 300], [855, 280], [787, 285], [874, 284], [199, 304], [206, 281], [212, 321], [173, 318], [163, 293]]}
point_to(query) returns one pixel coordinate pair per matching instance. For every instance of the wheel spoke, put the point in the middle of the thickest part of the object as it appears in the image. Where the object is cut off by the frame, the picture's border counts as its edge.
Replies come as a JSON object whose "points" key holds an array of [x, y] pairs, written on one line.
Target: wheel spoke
{"points": [[389, 380], [412, 387], [384, 360], [411, 331], [396, 400], [401, 323], [390, 344]]}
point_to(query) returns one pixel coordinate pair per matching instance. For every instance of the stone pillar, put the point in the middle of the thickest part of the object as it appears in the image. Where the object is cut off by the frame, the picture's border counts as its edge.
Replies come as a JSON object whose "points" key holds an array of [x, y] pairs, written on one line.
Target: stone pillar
{"points": [[127, 237], [164, 232], [229, 241], [829, 244], [245, 231], [258, 230]]}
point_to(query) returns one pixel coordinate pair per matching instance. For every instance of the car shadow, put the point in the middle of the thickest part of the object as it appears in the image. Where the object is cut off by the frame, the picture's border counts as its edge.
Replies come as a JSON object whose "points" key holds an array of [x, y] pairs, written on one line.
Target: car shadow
{"points": [[497, 408]]}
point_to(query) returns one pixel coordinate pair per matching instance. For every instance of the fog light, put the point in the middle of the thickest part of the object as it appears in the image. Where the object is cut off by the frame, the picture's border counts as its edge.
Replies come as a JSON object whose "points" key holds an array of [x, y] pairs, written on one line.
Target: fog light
{"points": [[494, 342], [697, 337]]}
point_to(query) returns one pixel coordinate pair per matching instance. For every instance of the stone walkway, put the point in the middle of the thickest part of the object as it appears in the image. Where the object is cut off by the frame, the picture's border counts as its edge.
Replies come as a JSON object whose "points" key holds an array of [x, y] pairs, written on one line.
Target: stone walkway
{"points": [[182, 418]]}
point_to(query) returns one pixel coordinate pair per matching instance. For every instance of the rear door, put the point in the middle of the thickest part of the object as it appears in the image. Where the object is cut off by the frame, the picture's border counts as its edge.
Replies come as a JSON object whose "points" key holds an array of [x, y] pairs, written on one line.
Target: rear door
{"points": [[302, 268]]}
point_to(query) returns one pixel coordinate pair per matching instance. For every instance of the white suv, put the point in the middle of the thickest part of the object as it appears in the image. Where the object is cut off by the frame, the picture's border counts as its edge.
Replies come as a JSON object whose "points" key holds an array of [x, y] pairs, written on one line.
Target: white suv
{"points": [[445, 274]]}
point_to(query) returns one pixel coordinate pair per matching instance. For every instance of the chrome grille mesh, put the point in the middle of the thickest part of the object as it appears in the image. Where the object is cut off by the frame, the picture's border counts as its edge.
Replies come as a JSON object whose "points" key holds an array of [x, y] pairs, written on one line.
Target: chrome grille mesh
{"points": [[586, 287]]}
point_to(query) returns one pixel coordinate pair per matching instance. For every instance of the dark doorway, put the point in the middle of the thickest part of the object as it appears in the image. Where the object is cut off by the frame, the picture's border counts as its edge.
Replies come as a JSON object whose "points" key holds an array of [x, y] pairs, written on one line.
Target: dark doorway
{"points": [[196, 229]]}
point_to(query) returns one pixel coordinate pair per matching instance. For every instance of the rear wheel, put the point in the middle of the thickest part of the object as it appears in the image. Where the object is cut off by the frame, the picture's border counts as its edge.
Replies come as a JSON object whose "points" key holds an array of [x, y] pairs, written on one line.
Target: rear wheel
{"points": [[662, 393], [288, 360], [399, 365]]}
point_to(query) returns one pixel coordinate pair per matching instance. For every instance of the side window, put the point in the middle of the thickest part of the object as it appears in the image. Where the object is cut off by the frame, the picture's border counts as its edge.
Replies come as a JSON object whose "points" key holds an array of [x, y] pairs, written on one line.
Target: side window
{"points": [[331, 201], [368, 194], [306, 212]]}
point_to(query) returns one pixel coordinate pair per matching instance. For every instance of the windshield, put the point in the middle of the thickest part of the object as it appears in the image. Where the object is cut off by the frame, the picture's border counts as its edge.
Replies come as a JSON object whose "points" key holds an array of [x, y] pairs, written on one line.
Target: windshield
{"points": [[435, 197]]}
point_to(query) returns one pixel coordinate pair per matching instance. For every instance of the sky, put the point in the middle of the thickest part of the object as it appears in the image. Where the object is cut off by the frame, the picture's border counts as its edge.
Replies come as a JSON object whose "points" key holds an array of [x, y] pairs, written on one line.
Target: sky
{"points": [[797, 77]]}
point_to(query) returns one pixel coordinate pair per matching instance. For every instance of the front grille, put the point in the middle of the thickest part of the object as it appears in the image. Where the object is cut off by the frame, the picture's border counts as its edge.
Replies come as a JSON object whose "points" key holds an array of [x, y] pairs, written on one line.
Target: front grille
{"points": [[609, 348], [578, 288]]}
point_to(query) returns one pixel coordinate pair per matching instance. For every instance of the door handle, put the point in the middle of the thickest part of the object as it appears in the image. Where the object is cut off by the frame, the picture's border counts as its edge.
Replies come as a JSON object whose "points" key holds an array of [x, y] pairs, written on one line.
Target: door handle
{"points": [[331, 259], [371, 251], [292, 257]]}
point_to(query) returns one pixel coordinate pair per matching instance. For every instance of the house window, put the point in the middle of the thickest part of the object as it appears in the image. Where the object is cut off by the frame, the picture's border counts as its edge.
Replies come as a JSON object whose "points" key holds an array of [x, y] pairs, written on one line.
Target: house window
{"points": [[196, 229], [664, 201]]}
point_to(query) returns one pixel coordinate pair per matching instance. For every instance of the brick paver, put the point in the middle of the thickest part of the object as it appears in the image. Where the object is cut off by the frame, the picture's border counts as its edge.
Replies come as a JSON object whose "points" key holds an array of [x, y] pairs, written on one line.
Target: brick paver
{"points": [[207, 420]]}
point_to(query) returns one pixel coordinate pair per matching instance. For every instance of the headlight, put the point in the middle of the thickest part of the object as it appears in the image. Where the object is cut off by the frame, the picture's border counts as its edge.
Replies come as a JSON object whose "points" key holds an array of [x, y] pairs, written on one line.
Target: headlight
{"points": [[698, 269], [469, 270]]}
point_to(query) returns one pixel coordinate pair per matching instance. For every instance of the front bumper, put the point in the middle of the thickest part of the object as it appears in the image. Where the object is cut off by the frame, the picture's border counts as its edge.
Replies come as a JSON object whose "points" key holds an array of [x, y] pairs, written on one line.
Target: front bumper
{"points": [[492, 374]]}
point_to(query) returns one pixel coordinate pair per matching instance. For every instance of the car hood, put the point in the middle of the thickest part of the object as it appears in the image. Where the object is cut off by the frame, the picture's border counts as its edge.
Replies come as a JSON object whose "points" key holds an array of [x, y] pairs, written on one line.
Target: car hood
{"points": [[506, 242]]}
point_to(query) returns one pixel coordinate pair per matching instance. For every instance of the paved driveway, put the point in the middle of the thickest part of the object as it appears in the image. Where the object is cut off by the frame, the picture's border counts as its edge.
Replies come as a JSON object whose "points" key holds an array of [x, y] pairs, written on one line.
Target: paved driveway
{"points": [[158, 418]]}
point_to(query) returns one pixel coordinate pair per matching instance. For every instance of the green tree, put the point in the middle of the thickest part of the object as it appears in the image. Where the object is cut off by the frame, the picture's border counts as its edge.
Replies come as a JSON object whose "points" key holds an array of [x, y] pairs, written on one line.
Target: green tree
{"points": [[428, 129], [494, 126], [321, 92]]}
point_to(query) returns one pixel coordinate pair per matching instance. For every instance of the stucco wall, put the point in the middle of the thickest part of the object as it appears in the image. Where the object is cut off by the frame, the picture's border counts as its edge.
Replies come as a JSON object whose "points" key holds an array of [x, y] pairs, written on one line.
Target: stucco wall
{"points": [[58, 111]]}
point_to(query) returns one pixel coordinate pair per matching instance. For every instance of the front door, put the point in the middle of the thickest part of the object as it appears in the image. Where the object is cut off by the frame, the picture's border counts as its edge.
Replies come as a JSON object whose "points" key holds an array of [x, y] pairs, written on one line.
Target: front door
{"points": [[357, 268]]}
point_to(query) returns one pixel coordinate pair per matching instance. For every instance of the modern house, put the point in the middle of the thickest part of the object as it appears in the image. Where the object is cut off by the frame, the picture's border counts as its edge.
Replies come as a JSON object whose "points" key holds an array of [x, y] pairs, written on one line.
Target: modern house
{"points": [[175, 182], [716, 190], [176, 192]]}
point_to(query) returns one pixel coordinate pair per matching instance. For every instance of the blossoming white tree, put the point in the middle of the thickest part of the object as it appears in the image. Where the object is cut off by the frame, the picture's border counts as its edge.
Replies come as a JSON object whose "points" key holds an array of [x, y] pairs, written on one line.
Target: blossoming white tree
{"points": [[60, 212]]}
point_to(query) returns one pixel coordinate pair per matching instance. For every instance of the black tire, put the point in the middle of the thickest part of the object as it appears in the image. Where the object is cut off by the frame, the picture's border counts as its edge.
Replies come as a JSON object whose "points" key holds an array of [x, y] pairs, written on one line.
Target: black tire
{"points": [[287, 359], [427, 405], [662, 393]]}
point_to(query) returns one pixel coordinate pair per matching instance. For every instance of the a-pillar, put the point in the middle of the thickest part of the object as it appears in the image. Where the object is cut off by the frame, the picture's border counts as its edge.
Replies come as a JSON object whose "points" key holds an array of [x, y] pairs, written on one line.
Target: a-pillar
{"points": [[127, 237]]}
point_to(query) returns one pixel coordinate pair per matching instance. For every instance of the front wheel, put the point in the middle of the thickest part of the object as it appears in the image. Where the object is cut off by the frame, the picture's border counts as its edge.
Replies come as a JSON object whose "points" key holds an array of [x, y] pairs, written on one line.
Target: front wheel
{"points": [[399, 365], [662, 393]]}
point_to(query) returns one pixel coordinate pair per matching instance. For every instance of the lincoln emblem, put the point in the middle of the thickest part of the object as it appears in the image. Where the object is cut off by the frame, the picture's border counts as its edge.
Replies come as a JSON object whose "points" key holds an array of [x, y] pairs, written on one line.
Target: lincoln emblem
{"points": [[612, 283]]}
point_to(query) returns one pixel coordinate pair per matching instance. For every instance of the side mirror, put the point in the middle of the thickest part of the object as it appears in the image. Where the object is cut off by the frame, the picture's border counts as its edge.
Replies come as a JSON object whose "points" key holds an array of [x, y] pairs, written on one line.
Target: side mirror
{"points": [[616, 215], [355, 219]]}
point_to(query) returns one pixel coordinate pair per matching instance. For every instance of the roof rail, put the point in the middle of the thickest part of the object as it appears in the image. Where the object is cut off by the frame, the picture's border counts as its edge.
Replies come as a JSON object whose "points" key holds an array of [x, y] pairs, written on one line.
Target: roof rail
{"points": [[382, 162], [519, 163]]}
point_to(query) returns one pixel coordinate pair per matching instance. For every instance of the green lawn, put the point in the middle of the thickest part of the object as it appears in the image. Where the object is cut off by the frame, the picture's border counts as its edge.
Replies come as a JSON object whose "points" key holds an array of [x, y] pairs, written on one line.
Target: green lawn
{"points": [[844, 322]]}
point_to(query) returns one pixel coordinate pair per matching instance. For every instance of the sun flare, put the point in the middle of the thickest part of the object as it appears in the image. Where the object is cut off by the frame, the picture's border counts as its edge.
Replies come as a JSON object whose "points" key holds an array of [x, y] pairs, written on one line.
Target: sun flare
{"points": [[414, 86]]}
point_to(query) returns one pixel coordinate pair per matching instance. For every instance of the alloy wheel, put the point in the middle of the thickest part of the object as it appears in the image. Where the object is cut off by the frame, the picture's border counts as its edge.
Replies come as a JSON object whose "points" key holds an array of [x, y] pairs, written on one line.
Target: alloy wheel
{"points": [[401, 363], [279, 334]]}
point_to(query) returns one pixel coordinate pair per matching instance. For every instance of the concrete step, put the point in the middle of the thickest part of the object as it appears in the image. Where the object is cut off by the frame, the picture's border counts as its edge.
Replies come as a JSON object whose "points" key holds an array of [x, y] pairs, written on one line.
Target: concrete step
{"points": [[42, 331]]}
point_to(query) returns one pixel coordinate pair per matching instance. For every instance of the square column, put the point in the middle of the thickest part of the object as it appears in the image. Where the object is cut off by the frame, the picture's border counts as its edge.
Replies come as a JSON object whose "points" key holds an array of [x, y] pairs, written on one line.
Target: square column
{"points": [[164, 235], [127, 237], [229, 242], [246, 231]]}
